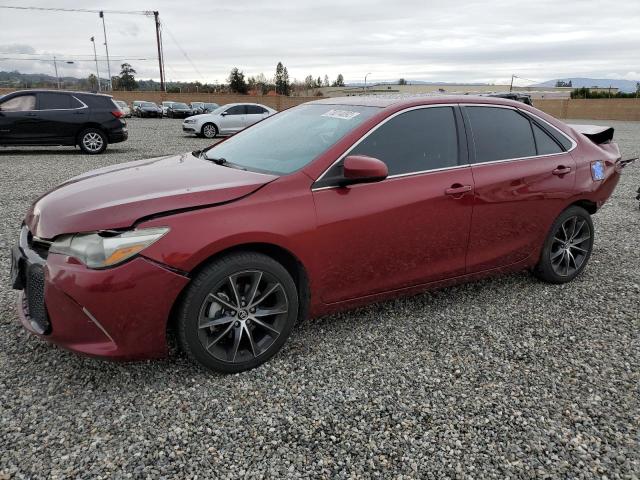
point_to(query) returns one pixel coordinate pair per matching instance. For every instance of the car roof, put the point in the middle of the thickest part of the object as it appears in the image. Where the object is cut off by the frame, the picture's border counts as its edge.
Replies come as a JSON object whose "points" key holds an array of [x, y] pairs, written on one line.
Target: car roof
{"points": [[72, 92], [400, 101]]}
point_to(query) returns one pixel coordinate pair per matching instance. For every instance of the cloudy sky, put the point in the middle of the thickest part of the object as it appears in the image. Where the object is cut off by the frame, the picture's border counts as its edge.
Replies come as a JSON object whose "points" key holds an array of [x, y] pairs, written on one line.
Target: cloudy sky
{"points": [[452, 40]]}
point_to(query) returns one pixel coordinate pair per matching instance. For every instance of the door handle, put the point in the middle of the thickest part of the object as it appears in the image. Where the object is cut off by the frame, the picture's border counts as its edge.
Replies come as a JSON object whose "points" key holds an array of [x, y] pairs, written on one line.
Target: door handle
{"points": [[457, 190], [561, 170]]}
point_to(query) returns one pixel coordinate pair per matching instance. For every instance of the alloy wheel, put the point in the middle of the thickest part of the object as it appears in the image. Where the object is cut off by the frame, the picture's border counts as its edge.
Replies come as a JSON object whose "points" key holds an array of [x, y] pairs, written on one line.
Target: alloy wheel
{"points": [[209, 131], [92, 141], [243, 316], [570, 246]]}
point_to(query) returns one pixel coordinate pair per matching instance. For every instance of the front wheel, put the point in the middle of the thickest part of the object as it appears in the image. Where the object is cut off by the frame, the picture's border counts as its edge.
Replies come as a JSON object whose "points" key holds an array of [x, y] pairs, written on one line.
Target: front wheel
{"points": [[238, 312], [209, 130], [567, 248], [92, 141]]}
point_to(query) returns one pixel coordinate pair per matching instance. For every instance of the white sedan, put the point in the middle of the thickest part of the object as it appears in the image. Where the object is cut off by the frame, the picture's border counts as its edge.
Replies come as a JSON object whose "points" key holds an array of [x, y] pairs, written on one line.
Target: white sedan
{"points": [[226, 120]]}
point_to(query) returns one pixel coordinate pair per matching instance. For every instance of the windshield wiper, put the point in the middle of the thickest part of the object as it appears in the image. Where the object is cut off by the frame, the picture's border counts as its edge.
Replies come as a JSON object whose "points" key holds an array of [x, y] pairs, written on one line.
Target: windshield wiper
{"points": [[224, 162]]}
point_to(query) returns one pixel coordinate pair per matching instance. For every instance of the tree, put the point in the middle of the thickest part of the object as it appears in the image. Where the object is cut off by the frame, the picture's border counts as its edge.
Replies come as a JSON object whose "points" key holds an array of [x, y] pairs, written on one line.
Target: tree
{"points": [[318, 82], [339, 82], [236, 80], [282, 80], [309, 82], [92, 80], [127, 79], [402, 81], [326, 81]]}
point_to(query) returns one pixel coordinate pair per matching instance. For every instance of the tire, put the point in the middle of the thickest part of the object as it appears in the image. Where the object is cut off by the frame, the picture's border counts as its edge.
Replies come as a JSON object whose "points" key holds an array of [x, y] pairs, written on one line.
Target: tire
{"points": [[567, 248], [243, 336], [209, 130], [92, 141]]}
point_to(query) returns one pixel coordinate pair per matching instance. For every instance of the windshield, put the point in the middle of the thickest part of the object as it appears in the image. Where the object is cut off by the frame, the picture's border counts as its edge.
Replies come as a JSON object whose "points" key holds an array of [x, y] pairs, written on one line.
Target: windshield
{"points": [[179, 105], [290, 140], [148, 104], [219, 110]]}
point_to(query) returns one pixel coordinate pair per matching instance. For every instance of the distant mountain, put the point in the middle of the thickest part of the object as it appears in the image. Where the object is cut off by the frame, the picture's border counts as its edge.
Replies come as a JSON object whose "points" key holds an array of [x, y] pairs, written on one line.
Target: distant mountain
{"points": [[627, 86]]}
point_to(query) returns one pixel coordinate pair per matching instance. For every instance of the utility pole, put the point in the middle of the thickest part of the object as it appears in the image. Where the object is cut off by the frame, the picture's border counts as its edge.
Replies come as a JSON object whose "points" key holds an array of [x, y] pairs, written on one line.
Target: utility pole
{"points": [[55, 66], [511, 86], [156, 16], [365, 81], [95, 57], [106, 47]]}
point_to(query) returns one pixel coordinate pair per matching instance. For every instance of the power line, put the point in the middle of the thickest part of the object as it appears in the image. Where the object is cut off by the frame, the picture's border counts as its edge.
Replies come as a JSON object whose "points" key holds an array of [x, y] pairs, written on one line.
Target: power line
{"points": [[164, 25], [80, 10], [50, 59]]}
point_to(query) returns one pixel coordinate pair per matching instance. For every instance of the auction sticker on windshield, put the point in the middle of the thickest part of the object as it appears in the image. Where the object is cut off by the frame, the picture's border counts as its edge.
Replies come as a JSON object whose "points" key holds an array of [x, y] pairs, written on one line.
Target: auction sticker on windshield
{"points": [[342, 114]]}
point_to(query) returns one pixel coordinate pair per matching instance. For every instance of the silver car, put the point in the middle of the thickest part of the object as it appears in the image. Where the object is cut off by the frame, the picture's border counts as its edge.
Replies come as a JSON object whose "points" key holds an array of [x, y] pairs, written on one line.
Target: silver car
{"points": [[126, 111], [226, 120]]}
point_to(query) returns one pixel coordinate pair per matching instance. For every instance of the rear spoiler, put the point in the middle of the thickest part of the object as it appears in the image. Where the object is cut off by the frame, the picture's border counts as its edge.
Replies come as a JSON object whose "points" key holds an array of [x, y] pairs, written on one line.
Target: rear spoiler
{"points": [[596, 133]]}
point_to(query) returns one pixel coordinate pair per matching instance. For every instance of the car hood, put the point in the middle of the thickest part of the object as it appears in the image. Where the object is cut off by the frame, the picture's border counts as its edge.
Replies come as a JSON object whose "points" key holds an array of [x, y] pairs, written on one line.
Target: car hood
{"points": [[119, 195]]}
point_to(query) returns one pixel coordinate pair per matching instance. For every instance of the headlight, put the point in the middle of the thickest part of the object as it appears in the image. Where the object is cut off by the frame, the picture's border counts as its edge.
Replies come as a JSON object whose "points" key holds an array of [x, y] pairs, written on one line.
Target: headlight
{"points": [[189, 120], [106, 249]]}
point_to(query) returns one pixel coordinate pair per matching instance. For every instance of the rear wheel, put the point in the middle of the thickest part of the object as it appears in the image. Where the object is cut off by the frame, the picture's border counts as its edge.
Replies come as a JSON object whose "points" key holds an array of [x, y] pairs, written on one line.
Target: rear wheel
{"points": [[567, 248], [209, 130], [92, 141], [238, 312]]}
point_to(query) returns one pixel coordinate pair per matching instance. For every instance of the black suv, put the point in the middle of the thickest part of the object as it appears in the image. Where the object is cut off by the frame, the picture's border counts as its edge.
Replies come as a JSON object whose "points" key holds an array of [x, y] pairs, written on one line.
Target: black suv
{"points": [[46, 117]]}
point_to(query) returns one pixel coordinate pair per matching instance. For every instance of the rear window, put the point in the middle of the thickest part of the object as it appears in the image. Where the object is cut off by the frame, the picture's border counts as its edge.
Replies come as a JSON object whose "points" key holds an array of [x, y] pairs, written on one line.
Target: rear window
{"points": [[500, 134], [99, 101], [57, 101]]}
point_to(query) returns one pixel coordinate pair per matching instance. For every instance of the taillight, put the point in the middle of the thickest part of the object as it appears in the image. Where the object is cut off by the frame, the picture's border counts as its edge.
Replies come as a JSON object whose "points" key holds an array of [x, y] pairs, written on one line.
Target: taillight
{"points": [[117, 113]]}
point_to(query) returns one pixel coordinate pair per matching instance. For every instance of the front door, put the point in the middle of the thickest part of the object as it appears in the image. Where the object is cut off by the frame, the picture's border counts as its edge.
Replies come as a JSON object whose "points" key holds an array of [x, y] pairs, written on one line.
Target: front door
{"points": [[19, 120], [523, 177], [234, 119], [409, 229]]}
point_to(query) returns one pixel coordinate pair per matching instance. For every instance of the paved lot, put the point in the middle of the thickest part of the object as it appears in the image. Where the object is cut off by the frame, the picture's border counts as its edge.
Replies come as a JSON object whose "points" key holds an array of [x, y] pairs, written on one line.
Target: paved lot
{"points": [[506, 378]]}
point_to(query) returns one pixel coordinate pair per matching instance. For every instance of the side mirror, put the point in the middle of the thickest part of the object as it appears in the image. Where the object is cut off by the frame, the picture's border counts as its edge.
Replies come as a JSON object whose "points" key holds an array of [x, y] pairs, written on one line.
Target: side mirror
{"points": [[363, 169], [224, 114]]}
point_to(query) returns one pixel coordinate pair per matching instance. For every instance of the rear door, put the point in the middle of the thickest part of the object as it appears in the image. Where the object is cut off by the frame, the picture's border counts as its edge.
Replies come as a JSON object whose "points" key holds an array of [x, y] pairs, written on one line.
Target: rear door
{"points": [[234, 119], [255, 113], [409, 229], [523, 177], [61, 116], [19, 120]]}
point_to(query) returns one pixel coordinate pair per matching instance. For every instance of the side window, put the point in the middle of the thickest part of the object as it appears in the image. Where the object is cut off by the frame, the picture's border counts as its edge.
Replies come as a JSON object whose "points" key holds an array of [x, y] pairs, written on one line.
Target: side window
{"points": [[19, 104], [418, 140], [500, 134], [236, 110], [544, 143], [75, 103], [255, 110], [54, 101]]}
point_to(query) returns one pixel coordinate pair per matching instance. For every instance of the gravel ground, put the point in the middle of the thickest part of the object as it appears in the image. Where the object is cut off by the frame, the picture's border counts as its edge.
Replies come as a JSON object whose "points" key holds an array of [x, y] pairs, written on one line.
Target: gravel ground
{"points": [[505, 378]]}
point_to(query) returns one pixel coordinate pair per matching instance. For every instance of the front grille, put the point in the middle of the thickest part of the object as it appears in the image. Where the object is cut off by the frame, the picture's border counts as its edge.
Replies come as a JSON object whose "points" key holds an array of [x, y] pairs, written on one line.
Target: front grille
{"points": [[34, 293]]}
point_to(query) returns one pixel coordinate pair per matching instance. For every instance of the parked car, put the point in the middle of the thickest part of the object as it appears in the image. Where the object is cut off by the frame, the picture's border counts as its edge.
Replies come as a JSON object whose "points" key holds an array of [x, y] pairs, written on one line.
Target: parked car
{"points": [[226, 120], [196, 108], [178, 110], [326, 206], [43, 117], [147, 110], [135, 104], [126, 111], [209, 107], [165, 107]]}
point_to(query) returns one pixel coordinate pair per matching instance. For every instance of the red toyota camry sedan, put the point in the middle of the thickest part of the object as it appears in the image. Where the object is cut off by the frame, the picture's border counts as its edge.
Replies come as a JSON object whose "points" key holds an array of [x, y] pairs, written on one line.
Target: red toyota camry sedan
{"points": [[329, 205]]}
